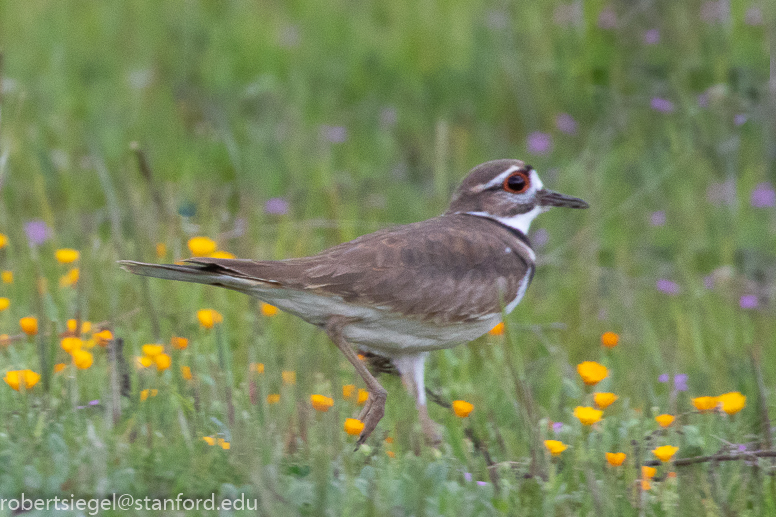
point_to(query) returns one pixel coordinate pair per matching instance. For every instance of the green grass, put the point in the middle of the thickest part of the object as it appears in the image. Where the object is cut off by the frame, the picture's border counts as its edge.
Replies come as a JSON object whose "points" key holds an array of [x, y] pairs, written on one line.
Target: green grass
{"points": [[231, 104]]}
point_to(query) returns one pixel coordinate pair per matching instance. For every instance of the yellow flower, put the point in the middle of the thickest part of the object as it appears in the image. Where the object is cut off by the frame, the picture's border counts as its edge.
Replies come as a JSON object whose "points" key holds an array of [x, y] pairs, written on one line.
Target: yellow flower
{"points": [[257, 367], [555, 447], [615, 459], [268, 310], [209, 440], [202, 246], [59, 367], [648, 472], [610, 339], [82, 359], [732, 402], [152, 350], [604, 400], [161, 250], [705, 403], [462, 409], [70, 278], [163, 361], [71, 343], [363, 396], [591, 372], [103, 337], [3, 240], [179, 343], [353, 426], [86, 326], [348, 390], [29, 325], [143, 361], [221, 254], [4, 303], [17, 379], [186, 372], [665, 452], [66, 255], [144, 395], [588, 415], [224, 444], [665, 420], [289, 377], [645, 484], [209, 317], [5, 340], [321, 403], [7, 277], [273, 398], [498, 330], [390, 454]]}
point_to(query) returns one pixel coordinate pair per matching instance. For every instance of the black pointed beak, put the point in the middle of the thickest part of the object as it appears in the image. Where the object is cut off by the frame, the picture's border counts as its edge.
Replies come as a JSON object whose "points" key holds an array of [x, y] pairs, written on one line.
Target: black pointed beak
{"points": [[552, 198]]}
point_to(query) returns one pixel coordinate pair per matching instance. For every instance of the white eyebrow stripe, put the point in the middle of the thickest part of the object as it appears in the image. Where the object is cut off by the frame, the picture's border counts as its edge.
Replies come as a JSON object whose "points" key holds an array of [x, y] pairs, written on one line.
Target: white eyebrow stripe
{"points": [[498, 180]]}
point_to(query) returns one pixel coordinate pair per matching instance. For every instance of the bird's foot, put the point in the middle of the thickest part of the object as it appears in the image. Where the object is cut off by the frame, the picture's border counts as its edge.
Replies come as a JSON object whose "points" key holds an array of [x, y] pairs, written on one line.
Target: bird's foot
{"points": [[373, 412]]}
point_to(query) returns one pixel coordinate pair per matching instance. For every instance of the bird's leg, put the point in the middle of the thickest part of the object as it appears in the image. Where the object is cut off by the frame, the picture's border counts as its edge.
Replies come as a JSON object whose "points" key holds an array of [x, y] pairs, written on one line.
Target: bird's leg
{"points": [[411, 369], [374, 409]]}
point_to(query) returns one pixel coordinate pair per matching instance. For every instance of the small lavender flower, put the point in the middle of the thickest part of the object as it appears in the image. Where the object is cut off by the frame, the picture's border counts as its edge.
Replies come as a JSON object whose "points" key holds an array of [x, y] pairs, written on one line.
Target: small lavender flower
{"points": [[763, 196], [740, 119], [539, 238], [680, 382], [663, 377], [741, 448], [334, 134], [748, 301], [668, 287], [566, 124], [658, 218], [276, 206], [482, 483], [753, 16], [557, 427], [652, 36], [467, 476], [37, 232], [539, 143], [662, 105], [607, 19]]}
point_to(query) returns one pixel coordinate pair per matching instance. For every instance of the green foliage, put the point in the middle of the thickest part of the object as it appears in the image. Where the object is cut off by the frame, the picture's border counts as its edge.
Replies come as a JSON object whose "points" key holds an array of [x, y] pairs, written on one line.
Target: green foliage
{"points": [[363, 115]]}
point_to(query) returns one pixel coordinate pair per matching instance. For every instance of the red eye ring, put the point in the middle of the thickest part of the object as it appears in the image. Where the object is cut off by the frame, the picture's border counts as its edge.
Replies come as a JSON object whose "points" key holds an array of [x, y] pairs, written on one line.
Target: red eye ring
{"points": [[517, 183]]}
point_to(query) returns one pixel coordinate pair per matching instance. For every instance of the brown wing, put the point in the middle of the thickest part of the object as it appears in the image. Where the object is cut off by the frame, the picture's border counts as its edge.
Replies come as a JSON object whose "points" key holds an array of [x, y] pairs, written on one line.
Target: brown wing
{"points": [[450, 268]]}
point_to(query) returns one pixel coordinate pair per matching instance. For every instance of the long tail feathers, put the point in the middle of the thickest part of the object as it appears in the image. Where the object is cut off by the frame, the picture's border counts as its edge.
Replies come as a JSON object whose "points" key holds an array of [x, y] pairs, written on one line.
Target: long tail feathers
{"points": [[187, 273]]}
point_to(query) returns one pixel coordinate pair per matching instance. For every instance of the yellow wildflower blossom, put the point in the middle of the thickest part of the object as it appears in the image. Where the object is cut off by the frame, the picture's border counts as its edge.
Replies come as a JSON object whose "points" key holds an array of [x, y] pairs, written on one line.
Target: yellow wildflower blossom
{"points": [[70, 278], [321, 403], [610, 339], [162, 361], [498, 330], [604, 400], [665, 420], [66, 255], [705, 403], [353, 426], [588, 415], [4, 303], [152, 350], [591, 372], [732, 402], [186, 373], [665, 452], [209, 318], [18, 379], [82, 359], [221, 254], [202, 246], [289, 377], [29, 325], [273, 398], [615, 459], [7, 277], [179, 343], [462, 409], [555, 447], [348, 390], [268, 310]]}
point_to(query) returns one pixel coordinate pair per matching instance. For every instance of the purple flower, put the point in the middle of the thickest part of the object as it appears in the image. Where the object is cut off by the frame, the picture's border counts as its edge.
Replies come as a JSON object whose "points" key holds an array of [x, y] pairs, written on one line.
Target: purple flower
{"points": [[753, 16], [763, 196], [467, 476], [566, 124], [663, 377], [482, 483], [557, 427], [276, 206], [680, 382], [334, 134], [607, 19], [37, 232], [539, 143], [748, 301], [658, 218], [740, 119], [662, 105], [539, 238], [703, 100], [668, 287], [741, 448], [652, 36], [708, 281], [715, 11]]}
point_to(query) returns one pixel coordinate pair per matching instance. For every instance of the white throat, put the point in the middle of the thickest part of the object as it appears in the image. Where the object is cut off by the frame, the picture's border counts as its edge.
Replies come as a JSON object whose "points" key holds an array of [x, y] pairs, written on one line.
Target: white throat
{"points": [[519, 222]]}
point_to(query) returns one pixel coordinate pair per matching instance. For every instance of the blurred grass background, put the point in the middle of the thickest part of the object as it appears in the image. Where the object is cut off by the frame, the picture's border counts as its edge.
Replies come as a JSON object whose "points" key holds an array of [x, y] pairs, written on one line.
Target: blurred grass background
{"points": [[355, 116]]}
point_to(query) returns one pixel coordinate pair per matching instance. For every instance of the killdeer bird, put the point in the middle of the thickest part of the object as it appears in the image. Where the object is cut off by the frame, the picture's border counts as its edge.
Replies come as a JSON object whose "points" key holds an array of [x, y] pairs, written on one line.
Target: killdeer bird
{"points": [[405, 291]]}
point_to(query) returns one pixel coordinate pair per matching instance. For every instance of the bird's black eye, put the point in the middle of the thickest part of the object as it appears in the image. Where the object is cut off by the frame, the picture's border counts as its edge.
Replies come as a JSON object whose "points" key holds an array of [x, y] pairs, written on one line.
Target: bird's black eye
{"points": [[517, 183]]}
